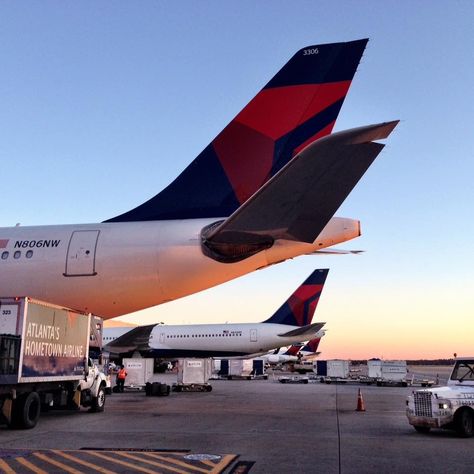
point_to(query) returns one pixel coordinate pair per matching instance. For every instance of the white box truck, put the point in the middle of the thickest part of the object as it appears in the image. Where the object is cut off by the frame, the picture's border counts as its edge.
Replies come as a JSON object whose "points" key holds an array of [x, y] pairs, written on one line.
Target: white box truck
{"points": [[449, 407], [44, 361]]}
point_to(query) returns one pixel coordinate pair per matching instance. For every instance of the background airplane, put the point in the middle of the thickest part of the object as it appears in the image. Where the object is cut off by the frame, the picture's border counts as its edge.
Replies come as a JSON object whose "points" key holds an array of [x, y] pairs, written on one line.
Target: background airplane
{"points": [[296, 352], [265, 190], [292, 322]]}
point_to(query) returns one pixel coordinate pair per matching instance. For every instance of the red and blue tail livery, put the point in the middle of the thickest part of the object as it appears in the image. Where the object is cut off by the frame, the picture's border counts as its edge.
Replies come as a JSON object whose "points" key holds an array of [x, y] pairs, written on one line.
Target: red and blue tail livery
{"points": [[299, 309], [298, 106], [312, 345], [293, 350]]}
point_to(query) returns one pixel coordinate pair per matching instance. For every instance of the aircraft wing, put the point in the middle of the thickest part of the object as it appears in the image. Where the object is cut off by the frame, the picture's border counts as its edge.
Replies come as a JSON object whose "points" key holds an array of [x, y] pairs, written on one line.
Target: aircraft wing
{"points": [[298, 202], [309, 330], [137, 339]]}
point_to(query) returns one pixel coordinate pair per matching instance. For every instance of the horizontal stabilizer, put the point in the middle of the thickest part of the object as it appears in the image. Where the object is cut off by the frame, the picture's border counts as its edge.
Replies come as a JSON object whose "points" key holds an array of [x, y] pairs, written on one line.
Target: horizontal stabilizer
{"points": [[308, 330], [298, 202], [333, 251]]}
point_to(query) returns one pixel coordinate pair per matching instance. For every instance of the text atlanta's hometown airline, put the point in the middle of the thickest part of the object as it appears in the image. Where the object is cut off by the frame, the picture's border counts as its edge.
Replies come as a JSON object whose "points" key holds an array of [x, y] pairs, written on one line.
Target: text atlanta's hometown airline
{"points": [[263, 191]]}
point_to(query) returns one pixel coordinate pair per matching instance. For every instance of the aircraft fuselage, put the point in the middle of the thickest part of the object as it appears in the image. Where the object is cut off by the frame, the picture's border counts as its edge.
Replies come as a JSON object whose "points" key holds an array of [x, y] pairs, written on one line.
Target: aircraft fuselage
{"points": [[111, 269]]}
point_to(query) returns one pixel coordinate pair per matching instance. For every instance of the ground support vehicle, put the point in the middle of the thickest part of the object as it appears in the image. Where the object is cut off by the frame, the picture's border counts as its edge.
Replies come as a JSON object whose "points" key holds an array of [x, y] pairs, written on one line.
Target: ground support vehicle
{"points": [[293, 379], [302, 367], [44, 361], [449, 407], [193, 375], [421, 382]]}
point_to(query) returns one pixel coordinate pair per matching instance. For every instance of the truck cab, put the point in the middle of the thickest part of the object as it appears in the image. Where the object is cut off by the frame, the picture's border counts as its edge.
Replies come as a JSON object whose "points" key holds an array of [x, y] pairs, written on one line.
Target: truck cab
{"points": [[448, 407], [93, 387]]}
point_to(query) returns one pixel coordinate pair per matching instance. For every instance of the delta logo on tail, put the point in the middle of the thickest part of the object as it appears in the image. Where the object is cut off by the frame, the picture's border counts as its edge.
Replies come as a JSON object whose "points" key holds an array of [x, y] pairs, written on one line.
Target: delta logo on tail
{"points": [[299, 105], [299, 309], [312, 345]]}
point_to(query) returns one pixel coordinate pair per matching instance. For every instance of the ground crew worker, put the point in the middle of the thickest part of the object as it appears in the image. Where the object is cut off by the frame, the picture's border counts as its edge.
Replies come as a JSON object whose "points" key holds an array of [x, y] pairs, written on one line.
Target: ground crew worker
{"points": [[121, 375]]}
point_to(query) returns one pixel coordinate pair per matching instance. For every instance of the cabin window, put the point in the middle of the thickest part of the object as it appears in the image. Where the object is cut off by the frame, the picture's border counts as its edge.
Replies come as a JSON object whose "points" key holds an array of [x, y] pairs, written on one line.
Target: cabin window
{"points": [[17, 254], [4, 255], [29, 253]]}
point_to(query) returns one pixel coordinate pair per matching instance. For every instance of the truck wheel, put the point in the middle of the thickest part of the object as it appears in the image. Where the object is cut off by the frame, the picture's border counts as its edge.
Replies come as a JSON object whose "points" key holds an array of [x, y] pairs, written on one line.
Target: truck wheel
{"points": [[98, 403], [464, 422], [422, 429], [26, 411]]}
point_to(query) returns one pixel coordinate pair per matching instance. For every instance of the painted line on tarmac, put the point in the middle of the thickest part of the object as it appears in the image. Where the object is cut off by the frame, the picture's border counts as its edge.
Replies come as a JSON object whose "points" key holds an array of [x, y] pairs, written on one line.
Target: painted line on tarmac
{"points": [[113, 461], [61, 465], [82, 462], [30, 466]]}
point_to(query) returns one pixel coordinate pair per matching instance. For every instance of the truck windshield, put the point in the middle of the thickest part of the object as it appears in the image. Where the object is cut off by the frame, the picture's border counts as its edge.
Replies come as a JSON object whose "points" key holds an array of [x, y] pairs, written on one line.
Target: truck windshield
{"points": [[463, 370]]}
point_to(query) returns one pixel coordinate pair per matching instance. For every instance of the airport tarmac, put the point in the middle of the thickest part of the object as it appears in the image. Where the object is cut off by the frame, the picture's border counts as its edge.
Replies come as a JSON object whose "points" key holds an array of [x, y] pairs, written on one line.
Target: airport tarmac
{"points": [[281, 428]]}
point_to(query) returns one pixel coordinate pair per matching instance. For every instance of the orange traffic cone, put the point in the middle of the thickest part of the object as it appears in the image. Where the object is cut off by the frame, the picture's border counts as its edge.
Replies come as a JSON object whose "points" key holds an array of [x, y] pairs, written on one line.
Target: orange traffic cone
{"points": [[360, 402]]}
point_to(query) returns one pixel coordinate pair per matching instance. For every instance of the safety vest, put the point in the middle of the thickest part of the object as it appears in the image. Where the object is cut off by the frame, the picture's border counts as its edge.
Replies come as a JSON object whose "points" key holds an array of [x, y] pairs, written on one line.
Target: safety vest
{"points": [[122, 373]]}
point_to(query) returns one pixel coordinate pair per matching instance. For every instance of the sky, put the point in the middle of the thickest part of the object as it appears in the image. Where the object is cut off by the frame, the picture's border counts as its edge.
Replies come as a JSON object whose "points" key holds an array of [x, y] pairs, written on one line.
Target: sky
{"points": [[102, 104]]}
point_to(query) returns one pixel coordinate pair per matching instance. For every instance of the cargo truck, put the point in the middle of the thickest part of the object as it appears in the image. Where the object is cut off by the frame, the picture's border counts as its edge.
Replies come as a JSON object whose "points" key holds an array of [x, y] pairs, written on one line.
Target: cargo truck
{"points": [[44, 361], [449, 407]]}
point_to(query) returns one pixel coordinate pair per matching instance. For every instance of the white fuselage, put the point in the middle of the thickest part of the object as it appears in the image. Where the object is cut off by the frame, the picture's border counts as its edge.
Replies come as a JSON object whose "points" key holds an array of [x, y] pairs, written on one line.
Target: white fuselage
{"points": [[217, 340], [111, 269]]}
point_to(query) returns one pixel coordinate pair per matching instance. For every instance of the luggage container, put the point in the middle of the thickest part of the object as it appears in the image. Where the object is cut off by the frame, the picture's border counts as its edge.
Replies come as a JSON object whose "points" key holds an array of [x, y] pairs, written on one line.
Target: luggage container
{"points": [[335, 370], [338, 369], [387, 372], [193, 375], [241, 368], [139, 372]]}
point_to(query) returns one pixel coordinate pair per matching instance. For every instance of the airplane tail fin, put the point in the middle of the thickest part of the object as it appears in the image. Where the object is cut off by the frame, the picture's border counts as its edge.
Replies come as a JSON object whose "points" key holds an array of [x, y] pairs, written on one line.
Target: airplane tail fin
{"points": [[299, 105], [294, 349], [299, 309], [312, 345]]}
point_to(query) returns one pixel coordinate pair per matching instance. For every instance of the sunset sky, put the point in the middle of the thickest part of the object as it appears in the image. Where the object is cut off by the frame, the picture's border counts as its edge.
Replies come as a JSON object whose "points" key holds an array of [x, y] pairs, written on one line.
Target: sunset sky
{"points": [[104, 103]]}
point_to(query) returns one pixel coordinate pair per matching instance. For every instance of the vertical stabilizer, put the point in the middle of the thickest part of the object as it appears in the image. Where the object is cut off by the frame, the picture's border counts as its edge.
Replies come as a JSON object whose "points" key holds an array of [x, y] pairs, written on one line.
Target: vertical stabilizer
{"points": [[299, 309], [299, 105]]}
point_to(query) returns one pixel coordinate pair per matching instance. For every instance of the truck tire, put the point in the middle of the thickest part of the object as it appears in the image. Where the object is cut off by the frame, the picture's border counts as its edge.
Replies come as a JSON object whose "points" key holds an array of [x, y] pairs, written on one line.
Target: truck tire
{"points": [[464, 422], [422, 429], [26, 411], [98, 403]]}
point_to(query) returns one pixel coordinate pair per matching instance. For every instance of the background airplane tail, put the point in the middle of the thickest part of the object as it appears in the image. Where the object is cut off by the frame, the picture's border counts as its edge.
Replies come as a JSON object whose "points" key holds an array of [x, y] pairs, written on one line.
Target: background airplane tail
{"points": [[312, 345], [293, 350], [299, 309], [299, 105]]}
